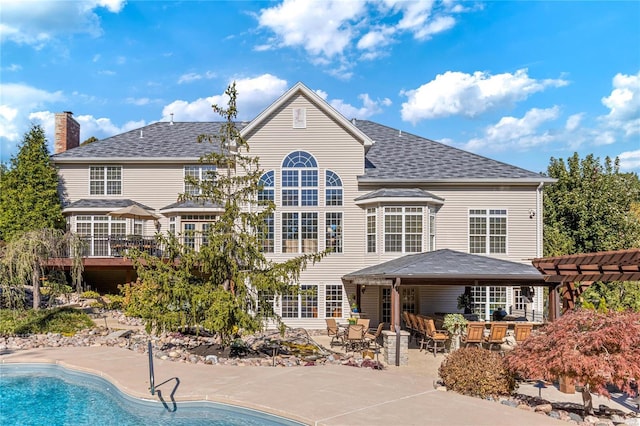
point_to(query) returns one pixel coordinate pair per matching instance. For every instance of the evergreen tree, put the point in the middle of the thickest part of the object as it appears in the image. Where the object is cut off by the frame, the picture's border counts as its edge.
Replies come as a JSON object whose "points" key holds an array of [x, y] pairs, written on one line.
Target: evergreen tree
{"points": [[227, 286], [29, 189]]}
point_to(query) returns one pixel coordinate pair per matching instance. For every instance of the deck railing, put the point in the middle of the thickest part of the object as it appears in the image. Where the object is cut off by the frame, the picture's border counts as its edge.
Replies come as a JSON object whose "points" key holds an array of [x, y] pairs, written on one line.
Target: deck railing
{"points": [[120, 245]]}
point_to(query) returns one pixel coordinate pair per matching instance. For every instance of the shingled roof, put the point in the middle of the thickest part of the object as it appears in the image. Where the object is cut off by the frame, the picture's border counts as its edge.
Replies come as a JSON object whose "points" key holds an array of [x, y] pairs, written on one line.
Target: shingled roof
{"points": [[161, 140], [394, 157], [442, 266], [399, 156]]}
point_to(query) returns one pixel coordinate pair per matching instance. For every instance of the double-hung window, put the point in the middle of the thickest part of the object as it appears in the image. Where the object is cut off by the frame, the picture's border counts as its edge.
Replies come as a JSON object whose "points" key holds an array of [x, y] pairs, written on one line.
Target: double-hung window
{"points": [[403, 229], [105, 180], [487, 231], [301, 304], [334, 231], [333, 301], [196, 176], [299, 232], [371, 230]]}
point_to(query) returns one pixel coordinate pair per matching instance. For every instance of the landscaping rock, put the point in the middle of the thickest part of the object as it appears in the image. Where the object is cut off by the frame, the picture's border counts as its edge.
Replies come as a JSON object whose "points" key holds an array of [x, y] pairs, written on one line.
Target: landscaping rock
{"points": [[555, 415], [575, 417], [543, 408]]}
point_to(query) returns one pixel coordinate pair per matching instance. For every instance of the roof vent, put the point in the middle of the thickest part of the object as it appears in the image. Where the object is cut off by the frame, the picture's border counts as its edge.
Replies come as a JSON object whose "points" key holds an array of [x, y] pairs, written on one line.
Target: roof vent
{"points": [[141, 134], [400, 133], [353, 121], [171, 122]]}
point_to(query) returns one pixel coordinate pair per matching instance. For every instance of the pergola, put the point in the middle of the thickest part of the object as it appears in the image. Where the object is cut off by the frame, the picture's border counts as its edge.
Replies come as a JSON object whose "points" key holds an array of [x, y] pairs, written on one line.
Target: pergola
{"points": [[573, 273], [444, 267]]}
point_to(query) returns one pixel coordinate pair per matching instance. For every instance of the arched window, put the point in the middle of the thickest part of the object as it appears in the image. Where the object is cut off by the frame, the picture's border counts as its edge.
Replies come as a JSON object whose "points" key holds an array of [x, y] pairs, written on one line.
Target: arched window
{"points": [[299, 180], [267, 183], [333, 190]]}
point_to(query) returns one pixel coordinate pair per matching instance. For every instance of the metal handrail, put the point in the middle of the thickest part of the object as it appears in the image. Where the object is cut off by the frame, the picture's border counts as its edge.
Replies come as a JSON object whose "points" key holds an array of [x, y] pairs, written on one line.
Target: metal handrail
{"points": [[151, 375]]}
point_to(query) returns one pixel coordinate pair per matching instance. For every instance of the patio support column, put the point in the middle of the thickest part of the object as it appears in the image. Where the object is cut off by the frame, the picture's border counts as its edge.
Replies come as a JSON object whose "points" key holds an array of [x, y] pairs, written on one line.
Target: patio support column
{"points": [[395, 304], [554, 313]]}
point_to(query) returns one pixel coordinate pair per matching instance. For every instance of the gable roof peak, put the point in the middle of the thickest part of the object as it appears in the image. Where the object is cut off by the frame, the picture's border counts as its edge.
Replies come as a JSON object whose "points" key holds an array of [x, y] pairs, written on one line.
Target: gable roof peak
{"points": [[312, 96]]}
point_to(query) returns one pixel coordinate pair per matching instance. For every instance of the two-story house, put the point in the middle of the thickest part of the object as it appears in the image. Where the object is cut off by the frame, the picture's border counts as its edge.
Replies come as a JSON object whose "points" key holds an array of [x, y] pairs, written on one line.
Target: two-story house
{"points": [[371, 193]]}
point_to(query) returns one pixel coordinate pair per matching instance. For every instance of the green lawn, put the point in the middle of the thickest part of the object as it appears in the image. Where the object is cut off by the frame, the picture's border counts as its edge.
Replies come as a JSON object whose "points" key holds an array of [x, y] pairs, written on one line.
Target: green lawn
{"points": [[65, 320]]}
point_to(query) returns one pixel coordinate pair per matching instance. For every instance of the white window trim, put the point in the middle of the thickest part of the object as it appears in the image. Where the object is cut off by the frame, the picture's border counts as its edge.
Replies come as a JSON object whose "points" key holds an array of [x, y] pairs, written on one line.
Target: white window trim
{"points": [[487, 216], [326, 228], [404, 233], [373, 214], [201, 169], [299, 225], [104, 181]]}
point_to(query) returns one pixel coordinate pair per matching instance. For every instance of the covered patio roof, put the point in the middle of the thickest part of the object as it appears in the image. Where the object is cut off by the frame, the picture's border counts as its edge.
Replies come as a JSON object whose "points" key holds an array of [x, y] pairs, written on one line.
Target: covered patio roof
{"points": [[618, 265], [448, 267]]}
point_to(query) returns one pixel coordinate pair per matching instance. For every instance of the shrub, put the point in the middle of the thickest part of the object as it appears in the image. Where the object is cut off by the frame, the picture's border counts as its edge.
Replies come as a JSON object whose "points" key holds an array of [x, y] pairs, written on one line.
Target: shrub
{"points": [[114, 301], [90, 294], [477, 372]]}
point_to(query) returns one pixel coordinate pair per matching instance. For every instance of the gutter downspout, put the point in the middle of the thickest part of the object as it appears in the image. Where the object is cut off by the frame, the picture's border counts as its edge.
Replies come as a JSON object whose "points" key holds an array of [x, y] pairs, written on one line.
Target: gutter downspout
{"points": [[539, 224], [539, 230]]}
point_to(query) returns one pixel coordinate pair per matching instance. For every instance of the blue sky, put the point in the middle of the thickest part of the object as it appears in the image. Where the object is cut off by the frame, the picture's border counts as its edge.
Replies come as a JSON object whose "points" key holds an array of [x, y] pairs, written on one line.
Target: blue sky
{"points": [[520, 82]]}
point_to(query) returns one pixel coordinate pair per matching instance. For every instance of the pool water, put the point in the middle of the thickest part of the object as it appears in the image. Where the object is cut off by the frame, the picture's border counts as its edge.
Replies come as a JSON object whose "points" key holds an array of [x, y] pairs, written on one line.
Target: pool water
{"points": [[40, 394]]}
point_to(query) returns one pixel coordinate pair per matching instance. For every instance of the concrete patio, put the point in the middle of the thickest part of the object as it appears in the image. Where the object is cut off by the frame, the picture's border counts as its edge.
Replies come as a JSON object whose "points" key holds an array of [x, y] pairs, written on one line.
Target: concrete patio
{"points": [[323, 395]]}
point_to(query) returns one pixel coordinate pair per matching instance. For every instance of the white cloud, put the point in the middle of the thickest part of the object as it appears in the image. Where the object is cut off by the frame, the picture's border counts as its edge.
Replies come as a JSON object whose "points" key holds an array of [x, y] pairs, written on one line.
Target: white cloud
{"points": [[192, 76], [254, 94], [630, 160], [457, 93], [36, 22], [573, 122], [17, 101], [320, 28], [624, 105], [363, 29], [22, 105], [142, 101], [369, 106], [517, 133], [89, 126], [12, 68]]}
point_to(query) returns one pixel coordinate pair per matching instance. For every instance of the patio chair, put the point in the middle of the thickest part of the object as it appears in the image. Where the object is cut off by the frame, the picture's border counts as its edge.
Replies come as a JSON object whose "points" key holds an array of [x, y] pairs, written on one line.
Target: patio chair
{"points": [[475, 334], [435, 339], [333, 331], [419, 331], [496, 335], [408, 325], [364, 322], [373, 337], [354, 338], [522, 331]]}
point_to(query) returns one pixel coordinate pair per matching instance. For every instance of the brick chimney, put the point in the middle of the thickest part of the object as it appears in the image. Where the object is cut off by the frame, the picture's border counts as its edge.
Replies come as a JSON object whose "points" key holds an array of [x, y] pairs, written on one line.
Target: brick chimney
{"points": [[67, 132]]}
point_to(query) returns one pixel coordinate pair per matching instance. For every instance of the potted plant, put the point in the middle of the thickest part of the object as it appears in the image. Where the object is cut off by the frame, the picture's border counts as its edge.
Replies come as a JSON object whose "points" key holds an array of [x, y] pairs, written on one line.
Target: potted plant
{"points": [[455, 324], [465, 301], [354, 305]]}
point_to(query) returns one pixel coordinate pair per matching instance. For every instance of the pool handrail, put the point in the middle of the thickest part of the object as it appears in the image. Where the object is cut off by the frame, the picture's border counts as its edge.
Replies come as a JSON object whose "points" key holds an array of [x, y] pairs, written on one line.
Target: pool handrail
{"points": [[152, 387]]}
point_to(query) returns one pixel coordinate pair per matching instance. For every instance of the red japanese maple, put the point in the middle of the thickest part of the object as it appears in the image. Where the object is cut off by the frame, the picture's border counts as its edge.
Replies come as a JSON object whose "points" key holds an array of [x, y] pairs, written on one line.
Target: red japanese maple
{"points": [[592, 348]]}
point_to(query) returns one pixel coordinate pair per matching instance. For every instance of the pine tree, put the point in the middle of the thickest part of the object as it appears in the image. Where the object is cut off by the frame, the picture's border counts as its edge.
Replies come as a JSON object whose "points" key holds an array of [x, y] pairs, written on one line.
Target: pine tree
{"points": [[228, 285], [29, 189]]}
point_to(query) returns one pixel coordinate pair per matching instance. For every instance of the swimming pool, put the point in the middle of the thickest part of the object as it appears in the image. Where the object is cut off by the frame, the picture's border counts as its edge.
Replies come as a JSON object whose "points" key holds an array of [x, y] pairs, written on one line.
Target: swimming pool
{"points": [[44, 394]]}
